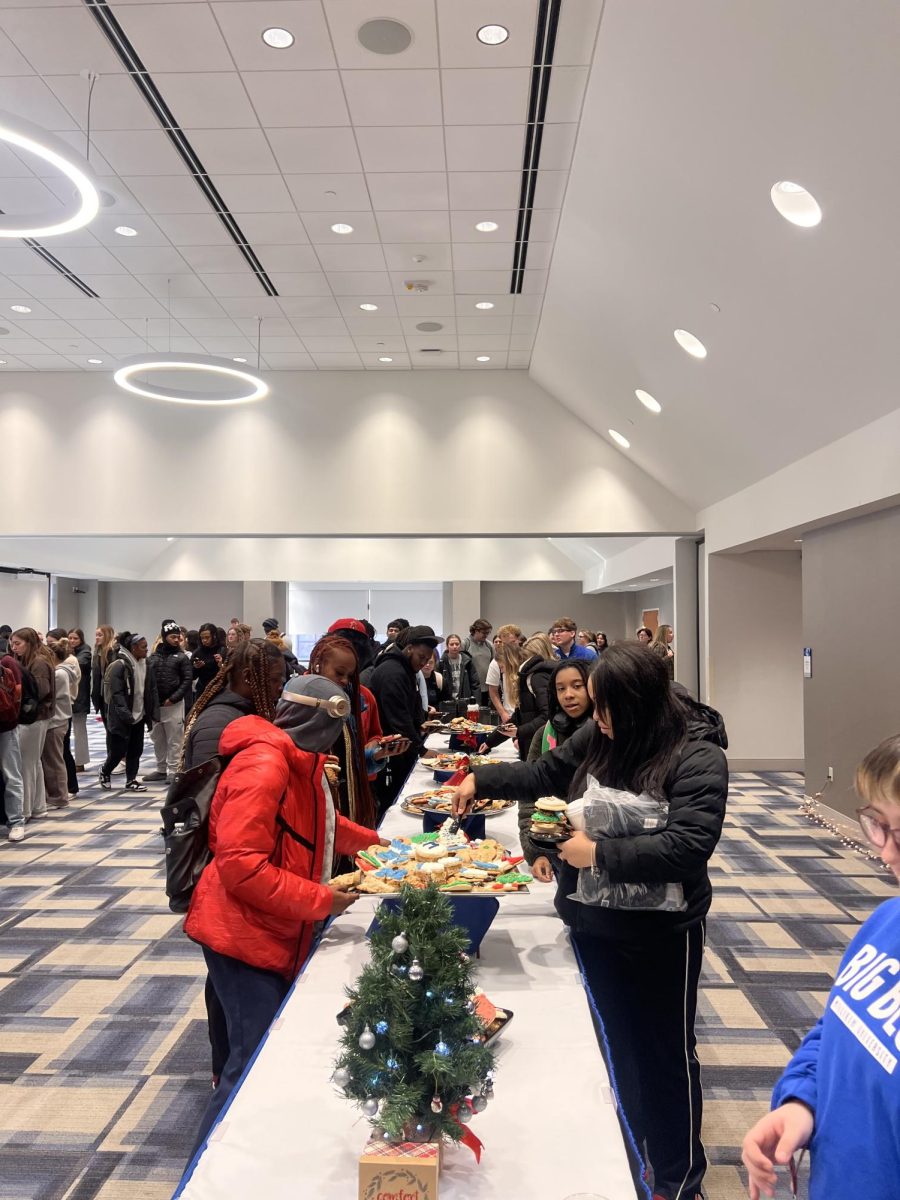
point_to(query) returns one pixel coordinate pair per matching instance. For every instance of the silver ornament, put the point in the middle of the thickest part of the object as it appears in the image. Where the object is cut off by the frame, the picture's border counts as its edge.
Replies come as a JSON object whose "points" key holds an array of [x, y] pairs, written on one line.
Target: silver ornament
{"points": [[479, 1103], [366, 1039], [415, 971], [437, 1104], [400, 945], [341, 1077], [464, 1114], [370, 1107]]}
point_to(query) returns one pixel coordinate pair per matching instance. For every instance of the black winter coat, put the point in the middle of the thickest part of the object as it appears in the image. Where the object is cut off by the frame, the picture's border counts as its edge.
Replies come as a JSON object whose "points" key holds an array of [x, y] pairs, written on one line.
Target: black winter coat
{"points": [[98, 670], [173, 672], [394, 686], [203, 739], [118, 692], [83, 699], [469, 683], [696, 792], [204, 665]]}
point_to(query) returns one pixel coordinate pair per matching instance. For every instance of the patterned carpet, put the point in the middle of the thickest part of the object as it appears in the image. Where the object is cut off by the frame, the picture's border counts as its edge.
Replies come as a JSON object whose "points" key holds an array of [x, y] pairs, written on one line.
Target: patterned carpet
{"points": [[104, 1065]]}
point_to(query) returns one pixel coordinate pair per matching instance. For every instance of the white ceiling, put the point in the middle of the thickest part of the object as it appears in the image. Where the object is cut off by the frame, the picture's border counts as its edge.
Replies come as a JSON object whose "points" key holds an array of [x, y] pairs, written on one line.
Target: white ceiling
{"points": [[694, 110], [411, 150]]}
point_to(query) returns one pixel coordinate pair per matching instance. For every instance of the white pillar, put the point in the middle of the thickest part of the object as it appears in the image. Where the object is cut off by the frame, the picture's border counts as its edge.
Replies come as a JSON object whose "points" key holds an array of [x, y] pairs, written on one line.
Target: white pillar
{"points": [[462, 604], [264, 598]]}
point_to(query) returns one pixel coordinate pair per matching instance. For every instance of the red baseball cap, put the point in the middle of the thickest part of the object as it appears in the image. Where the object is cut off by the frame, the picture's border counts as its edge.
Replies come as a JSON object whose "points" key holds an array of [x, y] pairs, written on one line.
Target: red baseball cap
{"points": [[348, 624]]}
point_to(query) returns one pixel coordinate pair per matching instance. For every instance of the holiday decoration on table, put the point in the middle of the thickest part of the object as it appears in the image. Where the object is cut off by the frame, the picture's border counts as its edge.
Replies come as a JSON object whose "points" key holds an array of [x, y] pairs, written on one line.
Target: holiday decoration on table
{"points": [[412, 1052]]}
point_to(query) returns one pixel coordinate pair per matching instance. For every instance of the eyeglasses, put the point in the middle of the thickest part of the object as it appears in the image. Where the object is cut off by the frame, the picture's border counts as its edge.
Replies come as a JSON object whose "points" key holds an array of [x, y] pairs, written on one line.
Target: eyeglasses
{"points": [[877, 831]]}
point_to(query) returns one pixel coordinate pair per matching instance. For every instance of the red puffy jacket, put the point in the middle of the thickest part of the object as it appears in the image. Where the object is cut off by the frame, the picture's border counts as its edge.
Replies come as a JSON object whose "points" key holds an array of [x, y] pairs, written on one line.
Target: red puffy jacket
{"points": [[258, 898]]}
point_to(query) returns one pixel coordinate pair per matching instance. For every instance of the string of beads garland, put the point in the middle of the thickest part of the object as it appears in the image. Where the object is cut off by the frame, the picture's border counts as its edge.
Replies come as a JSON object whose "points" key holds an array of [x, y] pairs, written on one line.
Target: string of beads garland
{"points": [[810, 808]]}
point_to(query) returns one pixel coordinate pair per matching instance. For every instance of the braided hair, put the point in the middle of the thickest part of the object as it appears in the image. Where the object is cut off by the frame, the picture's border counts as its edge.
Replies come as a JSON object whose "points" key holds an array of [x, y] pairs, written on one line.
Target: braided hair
{"points": [[253, 658], [325, 646]]}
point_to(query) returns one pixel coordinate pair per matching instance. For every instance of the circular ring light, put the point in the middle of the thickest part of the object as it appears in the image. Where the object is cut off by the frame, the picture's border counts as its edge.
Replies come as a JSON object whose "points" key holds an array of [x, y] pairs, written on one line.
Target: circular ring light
{"points": [[22, 135], [142, 364]]}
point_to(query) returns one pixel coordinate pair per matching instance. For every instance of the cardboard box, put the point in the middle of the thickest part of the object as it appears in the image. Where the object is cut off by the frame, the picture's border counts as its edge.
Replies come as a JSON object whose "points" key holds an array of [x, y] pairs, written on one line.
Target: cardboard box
{"points": [[405, 1171]]}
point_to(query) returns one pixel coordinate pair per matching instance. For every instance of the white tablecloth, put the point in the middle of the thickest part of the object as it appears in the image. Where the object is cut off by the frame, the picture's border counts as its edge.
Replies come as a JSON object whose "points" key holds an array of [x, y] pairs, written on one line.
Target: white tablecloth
{"points": [[550, 1133]]}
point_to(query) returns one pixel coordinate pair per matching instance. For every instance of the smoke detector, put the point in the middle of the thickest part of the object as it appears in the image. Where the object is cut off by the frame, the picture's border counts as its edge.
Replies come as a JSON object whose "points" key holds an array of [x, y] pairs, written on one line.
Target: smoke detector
{"points": [[417, 285]]}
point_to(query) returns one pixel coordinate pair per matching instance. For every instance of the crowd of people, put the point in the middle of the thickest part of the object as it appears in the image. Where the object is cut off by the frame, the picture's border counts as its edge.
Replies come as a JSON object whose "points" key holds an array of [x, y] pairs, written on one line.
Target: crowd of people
{"points": [[311, 757]]}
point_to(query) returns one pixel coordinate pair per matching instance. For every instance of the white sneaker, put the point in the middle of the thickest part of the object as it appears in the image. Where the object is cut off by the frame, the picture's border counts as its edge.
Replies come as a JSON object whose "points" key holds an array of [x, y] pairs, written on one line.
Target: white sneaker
{"points": [[16, 833]]}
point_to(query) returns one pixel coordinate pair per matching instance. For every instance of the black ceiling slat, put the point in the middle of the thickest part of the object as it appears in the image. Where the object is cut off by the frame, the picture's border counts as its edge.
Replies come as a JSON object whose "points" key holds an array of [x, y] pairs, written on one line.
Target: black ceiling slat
{"points": [[144, 82], [54, 262], [544, 46]]}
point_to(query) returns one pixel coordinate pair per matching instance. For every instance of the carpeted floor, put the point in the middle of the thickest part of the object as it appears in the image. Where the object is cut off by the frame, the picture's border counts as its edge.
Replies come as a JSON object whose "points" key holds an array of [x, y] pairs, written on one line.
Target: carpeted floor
{"points": [[104, 1066]]}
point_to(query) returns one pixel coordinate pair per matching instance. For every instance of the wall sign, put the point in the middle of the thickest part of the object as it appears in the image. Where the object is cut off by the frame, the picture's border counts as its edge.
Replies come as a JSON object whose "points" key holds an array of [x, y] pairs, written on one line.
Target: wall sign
{"points": [[807, 662]]}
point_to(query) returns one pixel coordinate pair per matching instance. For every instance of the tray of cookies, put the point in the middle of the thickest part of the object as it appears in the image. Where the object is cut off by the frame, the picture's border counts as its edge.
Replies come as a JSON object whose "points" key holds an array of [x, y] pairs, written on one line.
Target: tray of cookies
{"points": [[549, 823], [455, 864], [438, 800]]}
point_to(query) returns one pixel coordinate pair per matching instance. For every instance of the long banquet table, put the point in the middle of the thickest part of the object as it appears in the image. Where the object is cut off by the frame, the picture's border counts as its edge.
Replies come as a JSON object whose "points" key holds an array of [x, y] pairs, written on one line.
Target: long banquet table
{"points": [[551, 1133]]}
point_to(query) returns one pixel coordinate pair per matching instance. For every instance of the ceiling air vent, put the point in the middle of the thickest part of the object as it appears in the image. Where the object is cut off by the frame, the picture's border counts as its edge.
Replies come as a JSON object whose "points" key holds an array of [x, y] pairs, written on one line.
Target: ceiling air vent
{"points": [[431, 350]]}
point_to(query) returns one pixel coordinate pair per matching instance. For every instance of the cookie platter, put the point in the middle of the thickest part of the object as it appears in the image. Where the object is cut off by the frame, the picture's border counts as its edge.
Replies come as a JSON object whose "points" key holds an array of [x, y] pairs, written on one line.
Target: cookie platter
{"points": [[438, 800], [455, 864]]}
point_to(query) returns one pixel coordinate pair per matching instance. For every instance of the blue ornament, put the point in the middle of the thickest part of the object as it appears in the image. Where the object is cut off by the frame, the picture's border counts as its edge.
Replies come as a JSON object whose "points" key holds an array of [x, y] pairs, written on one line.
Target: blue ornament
{"points": [[381, 1027], [442, 1049], [429, 995], [392, 1064], [448, 1000]]}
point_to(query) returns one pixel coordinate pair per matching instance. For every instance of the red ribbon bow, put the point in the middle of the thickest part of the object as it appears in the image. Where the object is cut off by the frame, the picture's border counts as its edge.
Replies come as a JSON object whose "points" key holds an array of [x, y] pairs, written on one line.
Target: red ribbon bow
{"points": [[468, 1138]]}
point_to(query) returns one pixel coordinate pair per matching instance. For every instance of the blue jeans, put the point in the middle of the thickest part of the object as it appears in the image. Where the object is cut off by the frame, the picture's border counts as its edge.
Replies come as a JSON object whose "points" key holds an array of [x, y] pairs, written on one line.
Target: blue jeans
{"points": [[250, 998], [11, 770]]}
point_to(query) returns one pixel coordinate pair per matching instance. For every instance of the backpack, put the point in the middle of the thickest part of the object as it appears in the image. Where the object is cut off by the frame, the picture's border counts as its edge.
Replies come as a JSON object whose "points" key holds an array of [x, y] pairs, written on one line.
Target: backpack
{"points": [[31, 698], [10, 698], [185, 829]]}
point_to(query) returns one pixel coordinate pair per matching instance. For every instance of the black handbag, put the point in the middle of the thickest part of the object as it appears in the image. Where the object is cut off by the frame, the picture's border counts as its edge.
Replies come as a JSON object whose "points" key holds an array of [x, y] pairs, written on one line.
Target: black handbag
{"points": [[185, 828]]}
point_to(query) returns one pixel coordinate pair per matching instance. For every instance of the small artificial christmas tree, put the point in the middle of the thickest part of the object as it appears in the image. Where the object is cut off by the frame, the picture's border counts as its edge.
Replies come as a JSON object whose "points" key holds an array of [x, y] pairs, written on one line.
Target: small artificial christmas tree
{"points": [[413, 1053]]}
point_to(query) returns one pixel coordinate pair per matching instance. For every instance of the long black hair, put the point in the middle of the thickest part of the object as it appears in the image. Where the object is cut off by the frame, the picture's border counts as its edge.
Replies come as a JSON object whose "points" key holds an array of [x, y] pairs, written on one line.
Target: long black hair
{"points": [[649, 724], [562, 724]]}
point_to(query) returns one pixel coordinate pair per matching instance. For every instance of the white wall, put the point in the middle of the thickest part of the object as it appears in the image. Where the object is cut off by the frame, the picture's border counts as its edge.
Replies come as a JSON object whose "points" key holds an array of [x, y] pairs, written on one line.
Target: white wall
{"points": [[24, 602], [326, 453], [755, 668], [142, 606], [534, 606]]}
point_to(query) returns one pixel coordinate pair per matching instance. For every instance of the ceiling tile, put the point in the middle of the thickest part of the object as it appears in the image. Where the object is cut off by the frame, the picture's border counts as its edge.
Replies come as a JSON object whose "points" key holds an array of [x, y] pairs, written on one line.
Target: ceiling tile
{"points": [[386, 344], [31, 98], [11, 61], [253, 194], [459, 20], [274, 326], [176, 285], [295, 259], [290, 362], [71, 346], [252, 306], [175, 37], [402, 148], [484, 324], [539, 254], [320, 326], [373, 324], [485, 189], [430, 341], [297, 98], [122, 347], [229, 347], [472, 95], [138, 152], [520, 341], [196, 306], [483, 256], [527, 325], [577, 32], [243, 24], [485, 342], [49, 45], [42, 287], [102, 328], [469, 359], [278, 229], [27, 196], [177, 345], [333, 345], [369, 257], [233, 151], [518, 359], [418, 15], [168, 194], [315, 150], [447, 324], [115, 104], [535, 282], [114, 287], [564, 101], [485, 147], [47, 362], [141, 259], [401, 257], [543, 225], [103, 227], [290, 344], [207, 99], [400, 361], [435, 362], [209, 326], [381, 98], [79, 309], [135, 312], [50, 328], [39, 312], [438, 281], [338, 362], [411, 305], [228, 286], [329, 193], [305, 283], [226, 259], [480, 284], [318, 226], [407, 227], [99, 261], [550, 189], [463, 224], [558, 146], [408, 192], [312, 306], [190, 229], [364, 283], [349, 307]]}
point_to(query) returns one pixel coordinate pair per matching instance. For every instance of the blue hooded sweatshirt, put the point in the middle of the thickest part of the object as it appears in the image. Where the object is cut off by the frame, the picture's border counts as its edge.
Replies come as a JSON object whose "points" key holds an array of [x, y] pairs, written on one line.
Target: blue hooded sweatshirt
{"points": [[847, 1070]]}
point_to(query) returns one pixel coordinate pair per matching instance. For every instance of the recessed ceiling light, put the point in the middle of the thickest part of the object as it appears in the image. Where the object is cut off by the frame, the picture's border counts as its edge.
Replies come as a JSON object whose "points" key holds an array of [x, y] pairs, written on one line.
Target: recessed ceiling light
{"points": [[487, 226], [647, 400], [384, 358], [795, 204], [239, 360], [278, 39], [691, 344], [126, 231], [492, 35], [341, 228], [171, 539], [484, 304], [617, 437], [654, 579], [96, 362], [2, 362], [369, 307], [20, 308], [798, 541], [483, 358]]}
